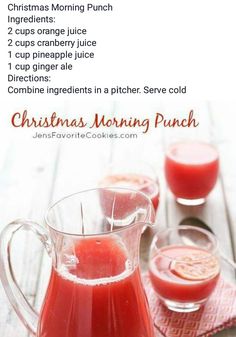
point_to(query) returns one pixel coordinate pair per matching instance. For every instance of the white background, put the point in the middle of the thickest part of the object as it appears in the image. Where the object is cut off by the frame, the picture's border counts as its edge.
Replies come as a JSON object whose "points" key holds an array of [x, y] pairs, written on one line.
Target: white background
{"points": [[153, 42], [156, 43]]}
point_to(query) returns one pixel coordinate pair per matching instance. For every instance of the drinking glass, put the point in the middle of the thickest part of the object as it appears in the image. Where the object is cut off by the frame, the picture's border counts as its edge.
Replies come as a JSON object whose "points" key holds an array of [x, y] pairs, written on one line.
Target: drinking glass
{"points": [[135, 175], [184, 267], [191, 170]]}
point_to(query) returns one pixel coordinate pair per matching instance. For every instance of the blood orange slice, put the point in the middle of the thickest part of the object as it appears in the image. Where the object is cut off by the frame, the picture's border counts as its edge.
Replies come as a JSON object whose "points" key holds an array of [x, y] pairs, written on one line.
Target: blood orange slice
{"points": [[196, 266]]}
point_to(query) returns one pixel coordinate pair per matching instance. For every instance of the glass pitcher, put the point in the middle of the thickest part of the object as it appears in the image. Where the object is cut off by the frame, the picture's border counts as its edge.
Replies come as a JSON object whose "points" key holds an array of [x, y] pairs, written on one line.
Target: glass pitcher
{"points": [[95, 287]]}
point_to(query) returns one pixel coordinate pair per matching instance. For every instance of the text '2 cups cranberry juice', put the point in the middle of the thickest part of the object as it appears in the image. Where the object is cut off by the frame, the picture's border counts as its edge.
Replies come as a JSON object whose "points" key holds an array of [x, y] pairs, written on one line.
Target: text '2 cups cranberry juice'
{"points": [[184, 274], [98, 295], [191, 170], [137, 182]]}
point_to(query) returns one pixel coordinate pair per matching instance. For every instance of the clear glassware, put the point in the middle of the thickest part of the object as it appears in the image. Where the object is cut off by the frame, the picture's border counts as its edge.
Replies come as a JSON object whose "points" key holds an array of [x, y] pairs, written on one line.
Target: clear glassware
{"points": [[191, 170], [136, 175], [184, 267], [95, 287]]}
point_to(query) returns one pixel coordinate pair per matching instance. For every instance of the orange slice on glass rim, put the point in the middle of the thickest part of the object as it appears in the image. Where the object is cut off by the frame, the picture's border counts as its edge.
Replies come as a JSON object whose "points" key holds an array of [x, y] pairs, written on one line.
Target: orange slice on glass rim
{"points": [[196, 266]]}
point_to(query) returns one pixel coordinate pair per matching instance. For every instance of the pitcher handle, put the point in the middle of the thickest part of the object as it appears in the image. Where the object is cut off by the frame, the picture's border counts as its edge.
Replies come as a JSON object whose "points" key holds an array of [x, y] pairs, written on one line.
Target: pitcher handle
{"points": [[22, 307]]}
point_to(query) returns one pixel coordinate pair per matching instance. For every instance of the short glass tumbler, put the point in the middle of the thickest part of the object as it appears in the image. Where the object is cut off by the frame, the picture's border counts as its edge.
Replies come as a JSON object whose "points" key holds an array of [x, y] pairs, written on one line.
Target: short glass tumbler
{"points": [[191, 170], [137, 175], [184, 267]]}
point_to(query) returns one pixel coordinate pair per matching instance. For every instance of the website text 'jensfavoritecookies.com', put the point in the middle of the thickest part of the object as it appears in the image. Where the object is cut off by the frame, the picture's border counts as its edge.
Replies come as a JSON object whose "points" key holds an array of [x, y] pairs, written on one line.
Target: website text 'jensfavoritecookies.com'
{"points": [[85, 135]]}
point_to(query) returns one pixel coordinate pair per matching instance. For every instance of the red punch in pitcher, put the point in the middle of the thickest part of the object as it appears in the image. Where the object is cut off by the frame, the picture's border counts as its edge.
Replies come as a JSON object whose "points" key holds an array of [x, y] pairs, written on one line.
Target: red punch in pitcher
{"points": [[95, 288]]}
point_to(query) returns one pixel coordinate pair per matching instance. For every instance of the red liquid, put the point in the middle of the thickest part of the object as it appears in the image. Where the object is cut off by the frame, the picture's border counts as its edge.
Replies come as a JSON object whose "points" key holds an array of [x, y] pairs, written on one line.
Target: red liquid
{"points": [[171, 285], [90, 307], [191, 169], [136, 182]]}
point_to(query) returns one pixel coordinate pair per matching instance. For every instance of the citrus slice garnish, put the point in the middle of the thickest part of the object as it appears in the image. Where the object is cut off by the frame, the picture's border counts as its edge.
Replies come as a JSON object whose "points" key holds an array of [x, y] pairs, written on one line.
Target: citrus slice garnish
{"points": [[196, 266], [125, 180]]}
